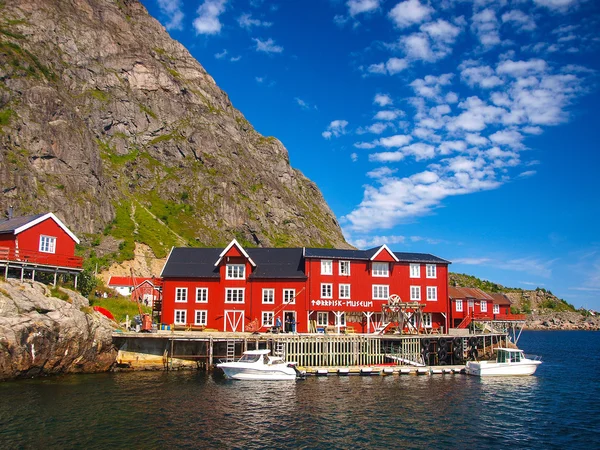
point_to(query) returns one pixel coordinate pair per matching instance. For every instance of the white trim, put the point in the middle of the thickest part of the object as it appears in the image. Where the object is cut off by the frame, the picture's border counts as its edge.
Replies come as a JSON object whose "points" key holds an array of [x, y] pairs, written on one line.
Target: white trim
{"points": [[291, 301], [240, 248], [262, 319], [330, 290], [184, 311], [263, 296], [40, 220], [231, 319], [235, 271], [410, 268], [196, 311], [340, 268], [51, 244], [201, 289], [411, 293], [184, 291], [496, 309], [166, 262], [380, 263], [243, 290], [381, 249], [344, 285], [457, 302], [384, 289], [435, 291], [325, 265], [427, 267]]}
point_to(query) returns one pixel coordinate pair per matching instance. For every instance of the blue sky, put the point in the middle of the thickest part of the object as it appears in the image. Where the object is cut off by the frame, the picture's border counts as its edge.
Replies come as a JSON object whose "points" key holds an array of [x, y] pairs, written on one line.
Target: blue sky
{"points": [[463, 128]]}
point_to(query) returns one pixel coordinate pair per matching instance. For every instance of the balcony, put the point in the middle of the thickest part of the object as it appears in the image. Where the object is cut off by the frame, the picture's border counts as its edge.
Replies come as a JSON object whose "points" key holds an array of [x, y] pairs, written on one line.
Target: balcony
{"points": [[35, 258]]}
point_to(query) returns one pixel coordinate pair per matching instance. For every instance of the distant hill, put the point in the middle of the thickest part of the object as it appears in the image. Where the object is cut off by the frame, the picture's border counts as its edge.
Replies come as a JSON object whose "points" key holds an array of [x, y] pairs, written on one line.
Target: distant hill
{"points": [[524, 301], [112, 125]]}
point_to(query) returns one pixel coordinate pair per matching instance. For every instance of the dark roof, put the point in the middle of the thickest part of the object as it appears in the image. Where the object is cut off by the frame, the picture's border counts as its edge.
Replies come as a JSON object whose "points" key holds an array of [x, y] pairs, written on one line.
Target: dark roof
{"points": [[10, 225], [501, 299], [368, 254], [467, 293], [200, 263]]}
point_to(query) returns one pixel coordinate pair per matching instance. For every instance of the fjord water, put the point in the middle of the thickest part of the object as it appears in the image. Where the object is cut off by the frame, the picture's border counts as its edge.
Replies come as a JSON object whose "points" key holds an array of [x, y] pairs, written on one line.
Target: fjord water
{"points": [[559, 407]]}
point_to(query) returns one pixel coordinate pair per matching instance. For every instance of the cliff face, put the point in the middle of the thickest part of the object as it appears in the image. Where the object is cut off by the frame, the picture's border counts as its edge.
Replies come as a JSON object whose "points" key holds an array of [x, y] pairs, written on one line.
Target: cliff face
{"points": [[114, 126], [44, 335]]}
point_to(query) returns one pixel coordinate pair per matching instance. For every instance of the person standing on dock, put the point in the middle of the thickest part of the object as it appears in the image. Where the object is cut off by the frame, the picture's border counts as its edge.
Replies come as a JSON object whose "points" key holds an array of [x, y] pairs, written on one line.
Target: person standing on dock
{"points": [[278, 325]]}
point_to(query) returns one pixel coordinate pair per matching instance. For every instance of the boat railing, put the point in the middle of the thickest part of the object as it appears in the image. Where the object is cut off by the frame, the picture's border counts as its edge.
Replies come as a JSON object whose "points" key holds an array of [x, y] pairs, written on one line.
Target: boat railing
{"points": [[533, 357]]}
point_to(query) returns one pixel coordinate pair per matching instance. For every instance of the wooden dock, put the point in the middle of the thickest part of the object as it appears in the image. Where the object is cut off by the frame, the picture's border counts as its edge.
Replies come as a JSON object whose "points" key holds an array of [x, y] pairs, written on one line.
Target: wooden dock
{"points": [[313, 351]]}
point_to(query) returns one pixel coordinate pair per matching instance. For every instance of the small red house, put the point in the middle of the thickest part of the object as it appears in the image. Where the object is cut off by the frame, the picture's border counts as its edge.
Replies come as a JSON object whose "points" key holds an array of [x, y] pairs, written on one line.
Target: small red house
{"points": [[473, 303], [146, 289], [38, 243], [306, 289]]}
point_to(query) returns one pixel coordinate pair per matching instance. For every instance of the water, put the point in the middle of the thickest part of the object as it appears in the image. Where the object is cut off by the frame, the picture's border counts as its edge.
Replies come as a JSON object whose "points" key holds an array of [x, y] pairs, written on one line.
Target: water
{"points": [[557, 408]]}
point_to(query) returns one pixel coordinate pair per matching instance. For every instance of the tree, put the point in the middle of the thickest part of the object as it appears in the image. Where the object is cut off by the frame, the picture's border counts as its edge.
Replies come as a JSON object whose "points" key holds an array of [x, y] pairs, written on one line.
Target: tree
{"points": [[86, 282]]}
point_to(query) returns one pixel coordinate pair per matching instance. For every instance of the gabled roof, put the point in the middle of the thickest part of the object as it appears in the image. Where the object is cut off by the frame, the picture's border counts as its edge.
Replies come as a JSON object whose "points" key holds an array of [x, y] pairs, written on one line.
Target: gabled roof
{"points": [[17, 225], [332, 253], [186, 262], [381, 249], [501, 299], [467, 293], [240, 248], [128, 281]]}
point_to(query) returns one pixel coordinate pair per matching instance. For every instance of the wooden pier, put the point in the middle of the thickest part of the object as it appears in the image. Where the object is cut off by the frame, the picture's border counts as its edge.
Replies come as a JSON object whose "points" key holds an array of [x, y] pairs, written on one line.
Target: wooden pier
{"points": [[313, 351]]}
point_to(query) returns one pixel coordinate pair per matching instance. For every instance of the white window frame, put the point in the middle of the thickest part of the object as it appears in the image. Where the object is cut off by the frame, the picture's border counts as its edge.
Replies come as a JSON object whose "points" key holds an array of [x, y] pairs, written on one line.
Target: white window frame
{"points": [[180, 295], [326, 267], [268, 296], [471, 304], [326, 287], [235, 272], [415, 293], [180, 317], [432, 294], [200, 317], [431, 271], [427, 320], [459, 305], [344, 291], [483, 306], [340, 320], [415, 270], [381, 269], [344, 269], [322, 318], [234, 293], [47, 244], [496, 309], [289, 296], [380, 291], [268, 318], [202, 295]]}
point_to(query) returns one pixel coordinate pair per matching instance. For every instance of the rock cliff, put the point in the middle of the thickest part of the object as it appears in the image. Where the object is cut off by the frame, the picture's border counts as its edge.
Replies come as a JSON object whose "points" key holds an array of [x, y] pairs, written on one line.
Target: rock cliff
{"points": [[115, 127], [44, 335]]}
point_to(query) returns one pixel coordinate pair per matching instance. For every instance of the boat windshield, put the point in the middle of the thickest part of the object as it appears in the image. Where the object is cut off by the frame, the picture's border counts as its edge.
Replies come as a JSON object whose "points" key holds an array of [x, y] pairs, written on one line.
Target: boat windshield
{"points": [[505, 357], [249, 358]]}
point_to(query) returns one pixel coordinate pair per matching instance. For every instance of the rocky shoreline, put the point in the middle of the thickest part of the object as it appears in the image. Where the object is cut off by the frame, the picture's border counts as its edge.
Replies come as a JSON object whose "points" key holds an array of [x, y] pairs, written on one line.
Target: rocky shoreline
{"points": [[562, 321], [44, 335]]}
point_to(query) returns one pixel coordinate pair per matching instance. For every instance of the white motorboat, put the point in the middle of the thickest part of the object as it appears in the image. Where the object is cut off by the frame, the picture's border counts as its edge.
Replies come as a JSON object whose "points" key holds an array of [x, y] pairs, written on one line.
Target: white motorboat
{"points": [[259, 365], [509, 361]]}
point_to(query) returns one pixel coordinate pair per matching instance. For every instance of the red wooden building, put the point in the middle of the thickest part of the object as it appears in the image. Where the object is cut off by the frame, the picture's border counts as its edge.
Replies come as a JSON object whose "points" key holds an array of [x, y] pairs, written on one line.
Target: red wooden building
{"points": [[39, 243], [145, 289], [467, 304], [308, 289]]}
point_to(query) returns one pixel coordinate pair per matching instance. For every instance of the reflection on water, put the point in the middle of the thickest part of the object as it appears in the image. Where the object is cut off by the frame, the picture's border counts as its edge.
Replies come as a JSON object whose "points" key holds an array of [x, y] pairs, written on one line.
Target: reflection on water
{"points": [[554, 409]]}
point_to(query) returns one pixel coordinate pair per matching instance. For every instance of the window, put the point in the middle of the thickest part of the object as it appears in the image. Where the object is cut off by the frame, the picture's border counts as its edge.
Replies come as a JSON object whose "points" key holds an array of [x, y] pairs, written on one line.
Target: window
{"points": [[47, 244], [268, 295], [267, 318], [234, 295], [180, 316], [415, 271], [459, 305], [344, 291], [345, 268], [235, 272], [415, 292], [322, 318], [471, 304], [381, 292], [326, 267], [430, 270], [289, 296], [496, 309], [483, 306], [340, 319], [381, 269], [180, 295], [326, 290], [431, 293], [201, 295], [427, 320], [200, 317]]}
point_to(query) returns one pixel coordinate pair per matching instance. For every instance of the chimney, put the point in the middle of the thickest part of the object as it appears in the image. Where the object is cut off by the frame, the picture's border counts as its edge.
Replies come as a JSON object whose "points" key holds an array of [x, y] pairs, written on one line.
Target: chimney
{"points": [[10, 212]]}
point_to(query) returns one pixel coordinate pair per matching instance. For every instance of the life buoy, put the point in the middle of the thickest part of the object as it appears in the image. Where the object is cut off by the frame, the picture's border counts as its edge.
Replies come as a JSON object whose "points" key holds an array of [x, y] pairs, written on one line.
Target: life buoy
{"points": [[443, 342], [457, 341], [442, 355], [472, 341]]}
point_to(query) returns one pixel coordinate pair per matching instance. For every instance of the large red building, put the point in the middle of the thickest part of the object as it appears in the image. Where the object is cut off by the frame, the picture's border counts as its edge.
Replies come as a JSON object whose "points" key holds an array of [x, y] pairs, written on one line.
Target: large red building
{"points": [[309, 289]]}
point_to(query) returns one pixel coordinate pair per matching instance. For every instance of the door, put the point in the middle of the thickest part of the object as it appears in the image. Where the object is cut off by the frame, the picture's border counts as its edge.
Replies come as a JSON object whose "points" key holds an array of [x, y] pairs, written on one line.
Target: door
{"points": [[234, 321], [289, 320]]}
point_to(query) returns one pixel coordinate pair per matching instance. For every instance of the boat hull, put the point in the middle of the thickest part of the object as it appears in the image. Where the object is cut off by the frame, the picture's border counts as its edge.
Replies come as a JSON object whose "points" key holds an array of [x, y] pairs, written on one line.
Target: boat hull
{"points": [[493, 369], [251, 373]]}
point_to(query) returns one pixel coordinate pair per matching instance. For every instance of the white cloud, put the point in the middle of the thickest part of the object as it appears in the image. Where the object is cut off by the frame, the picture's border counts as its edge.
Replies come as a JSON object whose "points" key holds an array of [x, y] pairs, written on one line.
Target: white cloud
{"points": [[267, 46], [382, 100], [376, 241], [560, 5], [386, 157], [172, 9], [430, 86], [441, 31], [482, 76], [528, 173], [335, 128], [398, 140], [302, 104], [410, 12], [519, 19], [235, 58], [387, 115], [485, 26], [246, 21], [521, 68], [354, 157], [395, 65], [221, 55], [259, 79], [509, 138], [417, 47], [377, 68], [381, 172], [378, 127], [365, 145], [356, 7], [207, 21]]}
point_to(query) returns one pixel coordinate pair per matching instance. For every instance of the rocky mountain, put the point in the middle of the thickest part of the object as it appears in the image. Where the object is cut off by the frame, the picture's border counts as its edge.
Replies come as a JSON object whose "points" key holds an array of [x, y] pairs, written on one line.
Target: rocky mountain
{"points": [[115, 127], [44, 335]]}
